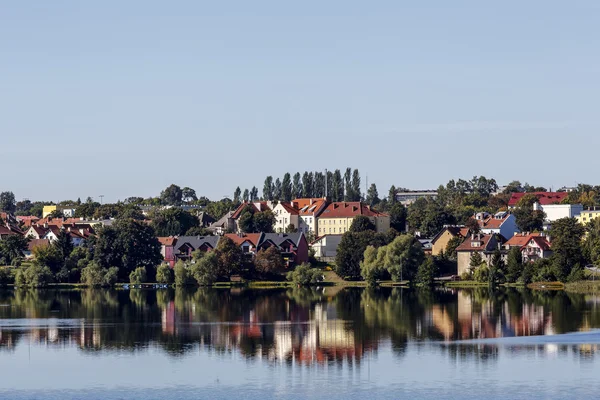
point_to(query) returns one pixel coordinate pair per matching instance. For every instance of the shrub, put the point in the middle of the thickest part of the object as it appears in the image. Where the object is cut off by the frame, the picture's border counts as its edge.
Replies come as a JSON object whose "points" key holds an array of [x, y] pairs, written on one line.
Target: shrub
{"points": [[268, 261], [465, 276], [481, 274], [94, 275], [183, 276], [33, 276], [111, 276], [164, 274], [305, 275], [205, 269], [6, 276], [138, 275]]}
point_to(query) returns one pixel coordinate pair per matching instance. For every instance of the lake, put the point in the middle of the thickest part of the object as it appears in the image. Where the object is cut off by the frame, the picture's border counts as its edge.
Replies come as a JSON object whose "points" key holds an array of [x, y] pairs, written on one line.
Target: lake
{"points": [[325, 343]]}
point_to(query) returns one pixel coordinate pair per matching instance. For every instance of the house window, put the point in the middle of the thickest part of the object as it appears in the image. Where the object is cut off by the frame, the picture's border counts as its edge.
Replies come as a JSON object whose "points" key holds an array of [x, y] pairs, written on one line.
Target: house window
{"points": [[246, 249]]}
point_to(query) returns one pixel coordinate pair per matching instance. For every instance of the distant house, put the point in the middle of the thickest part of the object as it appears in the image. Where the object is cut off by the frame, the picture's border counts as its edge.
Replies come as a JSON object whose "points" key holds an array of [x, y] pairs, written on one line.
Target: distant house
{"points": [[259, 206], [33, 243], [27, 220], [519, 240], [557, 211], [77, 237], [439, 243], [407, 197], [292, 246], [224, 225], [36, 232], [337, 218], [309, 211], [588, 216], [325, 247], [484, 244], [285, 215], [68, 212], [543, 198], [502, 223], [167, 249], [248, 242], [186, 245], [537, 247], [6, 231], [205, 219]]}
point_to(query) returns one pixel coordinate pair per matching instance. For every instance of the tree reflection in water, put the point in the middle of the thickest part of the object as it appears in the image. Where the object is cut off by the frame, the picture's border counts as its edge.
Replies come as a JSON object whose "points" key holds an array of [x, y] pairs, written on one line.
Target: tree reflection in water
{"points": [[303, 326]]}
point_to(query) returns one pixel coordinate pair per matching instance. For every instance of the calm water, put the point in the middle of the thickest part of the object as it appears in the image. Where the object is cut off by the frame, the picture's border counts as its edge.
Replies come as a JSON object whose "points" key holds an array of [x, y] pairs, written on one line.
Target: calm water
{"points": [[293, 344]]}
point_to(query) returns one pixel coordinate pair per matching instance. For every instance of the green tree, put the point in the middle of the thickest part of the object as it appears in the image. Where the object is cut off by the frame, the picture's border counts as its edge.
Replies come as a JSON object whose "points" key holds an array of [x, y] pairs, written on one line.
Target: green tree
{"points": [[476, 260], [138, 275], [427, 272], [246, 195], [372, 196], [268, 261], [33, 276], [12, 248], [48, 256], [514, 265], [286, 188], [452, 246], [264, 221], [403, 257], [297, 186], [592, 242], [188, 195], [205, 269], [173, 222], [392, 196], [237, 195], [183, 275], [268, 189], [362, 223], [356, 194], [307, 184], [398, 215], [482, 274], [277, 190], [567, 235], [8, 203], [337, 187], [319, 187], [230, 258], [246, 220], [350, 251], [305, 275], [349, 195], [172, 195], [497, 272], [254, 194], [64, 244], [164, 274], [291, 228], [528, 219]]}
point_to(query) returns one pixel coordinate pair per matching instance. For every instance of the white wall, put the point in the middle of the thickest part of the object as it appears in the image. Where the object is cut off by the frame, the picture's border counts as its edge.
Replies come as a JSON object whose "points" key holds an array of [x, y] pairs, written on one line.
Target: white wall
{"points": [[558, 211]]}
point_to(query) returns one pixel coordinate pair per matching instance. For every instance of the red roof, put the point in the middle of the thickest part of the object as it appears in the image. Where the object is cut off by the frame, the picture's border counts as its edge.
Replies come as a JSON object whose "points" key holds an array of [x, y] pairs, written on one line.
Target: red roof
{"points": [[6, 231], [37, 242], [349, 210], [492, 222], [313, 209], [258, 207], [167, 240], [466, 245], [253, 238], [520, 239], [541, 241], [289, 208], [301, 203], [544, 198]]}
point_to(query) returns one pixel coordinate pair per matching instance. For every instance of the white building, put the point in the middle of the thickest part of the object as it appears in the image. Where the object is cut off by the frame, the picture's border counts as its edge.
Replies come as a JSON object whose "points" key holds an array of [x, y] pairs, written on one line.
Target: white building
{"points": [[326, 246], [285, 215], [310, 209], [502, 223], [557, 211]]}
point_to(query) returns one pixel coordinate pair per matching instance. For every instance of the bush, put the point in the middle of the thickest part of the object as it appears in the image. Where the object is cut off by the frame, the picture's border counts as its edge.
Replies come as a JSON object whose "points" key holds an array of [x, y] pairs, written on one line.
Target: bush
{"points": [[33, 276], [466, 276], [305, 275], [205, 269], [111, 276], [164, 274], [95, 276], [183, 276], [481, 274], [138, 275], [6, 276]]}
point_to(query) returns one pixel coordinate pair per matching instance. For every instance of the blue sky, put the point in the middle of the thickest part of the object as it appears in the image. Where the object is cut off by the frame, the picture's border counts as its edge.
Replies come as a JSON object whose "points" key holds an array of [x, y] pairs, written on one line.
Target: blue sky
{"points": [[123, 98]]}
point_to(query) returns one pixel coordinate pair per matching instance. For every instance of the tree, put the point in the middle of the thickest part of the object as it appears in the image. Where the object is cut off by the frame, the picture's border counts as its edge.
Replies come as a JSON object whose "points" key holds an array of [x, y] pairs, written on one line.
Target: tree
{"points": [[403, 257], [63, 244], [427, 272], [237, 195], [56, 214], [206, 268], [297, 186], [86, 210], [246, 195], [337, 187], [291, 228], [362, 223], [277, 190], [496, 275], [372, 196], [567, 234], [319, 185], [392, 195], [230, 258], [246, 220], [183, 275], [7, 202], [172, 195], [452, 245], [48, 256], [308, 185], [127, 244], [350, 251], [33, 276], [164, 274], [592, 242], [12, 248], [264, 221], [286, 188], [476, 260], [188, 194], [528, 219], [356, 195], [514, 265], [218, 209], [138, 275], [173, 222], [268, 189], [254, 194], [348, 185], [268, 261], [398, 214], [305, 275]]}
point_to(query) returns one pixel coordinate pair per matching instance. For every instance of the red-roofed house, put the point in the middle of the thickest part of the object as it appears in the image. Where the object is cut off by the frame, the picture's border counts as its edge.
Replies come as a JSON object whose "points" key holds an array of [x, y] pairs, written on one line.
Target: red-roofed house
{"points": [[6, 231], [27, 220], [501, 223], [258, 206], [336, 218], [247, 241], [285, 215], [167, 245], [309, 211], [537, 247], [483, 244], [544, 198], [519, 240], [36, 232]]}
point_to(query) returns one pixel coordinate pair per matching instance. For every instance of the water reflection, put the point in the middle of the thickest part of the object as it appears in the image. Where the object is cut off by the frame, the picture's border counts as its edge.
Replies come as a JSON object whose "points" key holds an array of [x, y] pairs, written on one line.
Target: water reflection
{"points": [[295, 326]]}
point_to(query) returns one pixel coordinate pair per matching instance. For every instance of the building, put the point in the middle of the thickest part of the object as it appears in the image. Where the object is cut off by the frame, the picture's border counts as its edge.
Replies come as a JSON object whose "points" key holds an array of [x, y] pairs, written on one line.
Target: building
{"points": [[543, 198], [248, 242], [336, 218], [439, 243], [6, 231], [36, 232], [77, 237], [325, 247], [292, 246], [186, 245], [557, 211], [33, 243], [259, 206], [410, 196], [484, 244], [519, 240], [501, 223], [167, 249], [587, 216], [68, 212], [27, 220], [285, 215], [536, 248], [224, 225], [309, 211]]}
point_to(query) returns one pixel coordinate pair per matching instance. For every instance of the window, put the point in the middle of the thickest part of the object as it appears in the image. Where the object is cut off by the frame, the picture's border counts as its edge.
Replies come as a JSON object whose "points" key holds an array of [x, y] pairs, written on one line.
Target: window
{"points": [[246, 248]]}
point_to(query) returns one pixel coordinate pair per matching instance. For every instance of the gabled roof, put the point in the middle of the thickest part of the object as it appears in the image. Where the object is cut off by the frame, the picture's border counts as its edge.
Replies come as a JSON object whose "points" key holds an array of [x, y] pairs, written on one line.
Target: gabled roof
{"points": [[544, 198], [239, 239], [289, 208], [279, 238], [460, 231], [257, 206], [541, 241], [9, 231], [197, 241], [313, 210], [333, 239], [349, 210], [41, 231], [484, 239], [301, 203], [493, 222], [520, 239]]}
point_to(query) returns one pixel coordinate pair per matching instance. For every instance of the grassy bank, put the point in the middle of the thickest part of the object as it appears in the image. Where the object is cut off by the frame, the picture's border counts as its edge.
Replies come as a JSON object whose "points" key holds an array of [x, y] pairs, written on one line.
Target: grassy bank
{"points": [[584, 287]]}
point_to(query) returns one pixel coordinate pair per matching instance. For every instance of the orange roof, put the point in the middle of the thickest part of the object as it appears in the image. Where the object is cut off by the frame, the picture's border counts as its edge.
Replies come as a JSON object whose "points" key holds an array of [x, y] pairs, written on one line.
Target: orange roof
{"points": [[349, 210], [466, 245], [253, 238], [167, 240], [37, 242], [541, 241], [289, 208], [492, 222], [520, 239], [258, 206], [314, 208], [301, 203]]}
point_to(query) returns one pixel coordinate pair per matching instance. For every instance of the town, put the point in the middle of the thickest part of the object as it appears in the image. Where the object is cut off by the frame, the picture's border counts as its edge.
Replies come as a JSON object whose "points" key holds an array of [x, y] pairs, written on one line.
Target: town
{"points": [[308, 228]]}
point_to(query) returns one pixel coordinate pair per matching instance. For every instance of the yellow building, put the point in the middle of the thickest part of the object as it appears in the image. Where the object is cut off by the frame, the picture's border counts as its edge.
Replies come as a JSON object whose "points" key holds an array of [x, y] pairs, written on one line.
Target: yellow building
{"points": [[337, 218], [440, 241], [47, 210], [587, 216], [67, 211]]}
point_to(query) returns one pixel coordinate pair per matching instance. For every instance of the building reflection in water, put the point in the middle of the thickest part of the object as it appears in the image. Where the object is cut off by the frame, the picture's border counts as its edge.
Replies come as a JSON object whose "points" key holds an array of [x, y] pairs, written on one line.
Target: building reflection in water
{"points": [[299, 326]]}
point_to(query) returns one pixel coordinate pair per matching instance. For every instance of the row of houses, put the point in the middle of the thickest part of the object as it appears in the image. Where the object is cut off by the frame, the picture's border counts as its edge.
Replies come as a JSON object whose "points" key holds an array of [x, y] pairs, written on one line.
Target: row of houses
{"points": [[293, 247], [316, 216]]}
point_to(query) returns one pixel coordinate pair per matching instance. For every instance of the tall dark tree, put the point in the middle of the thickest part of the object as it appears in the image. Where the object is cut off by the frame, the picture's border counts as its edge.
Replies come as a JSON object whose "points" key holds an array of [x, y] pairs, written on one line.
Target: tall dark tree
{"points": [[307, 185], [337, 187], [12, 248], [349, 194], [567, 234], [254, 194], [356, 193], [172, 195], [528, 219], [268, 189], [237, 195], [362, 223], [514, 264], [63, 244], [7, 202], [264, 221], [246, 220], [286, 188], [373, 196], [329, 185], [392, 195], [246, 195], [297, 185], [188, 194], [398, 215], [319, 189], [277, 190]]}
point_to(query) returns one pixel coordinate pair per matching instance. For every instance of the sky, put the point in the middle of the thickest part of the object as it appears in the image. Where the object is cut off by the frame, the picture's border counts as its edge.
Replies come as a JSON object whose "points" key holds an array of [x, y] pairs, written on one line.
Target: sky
{"points": [[122, 99]]}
